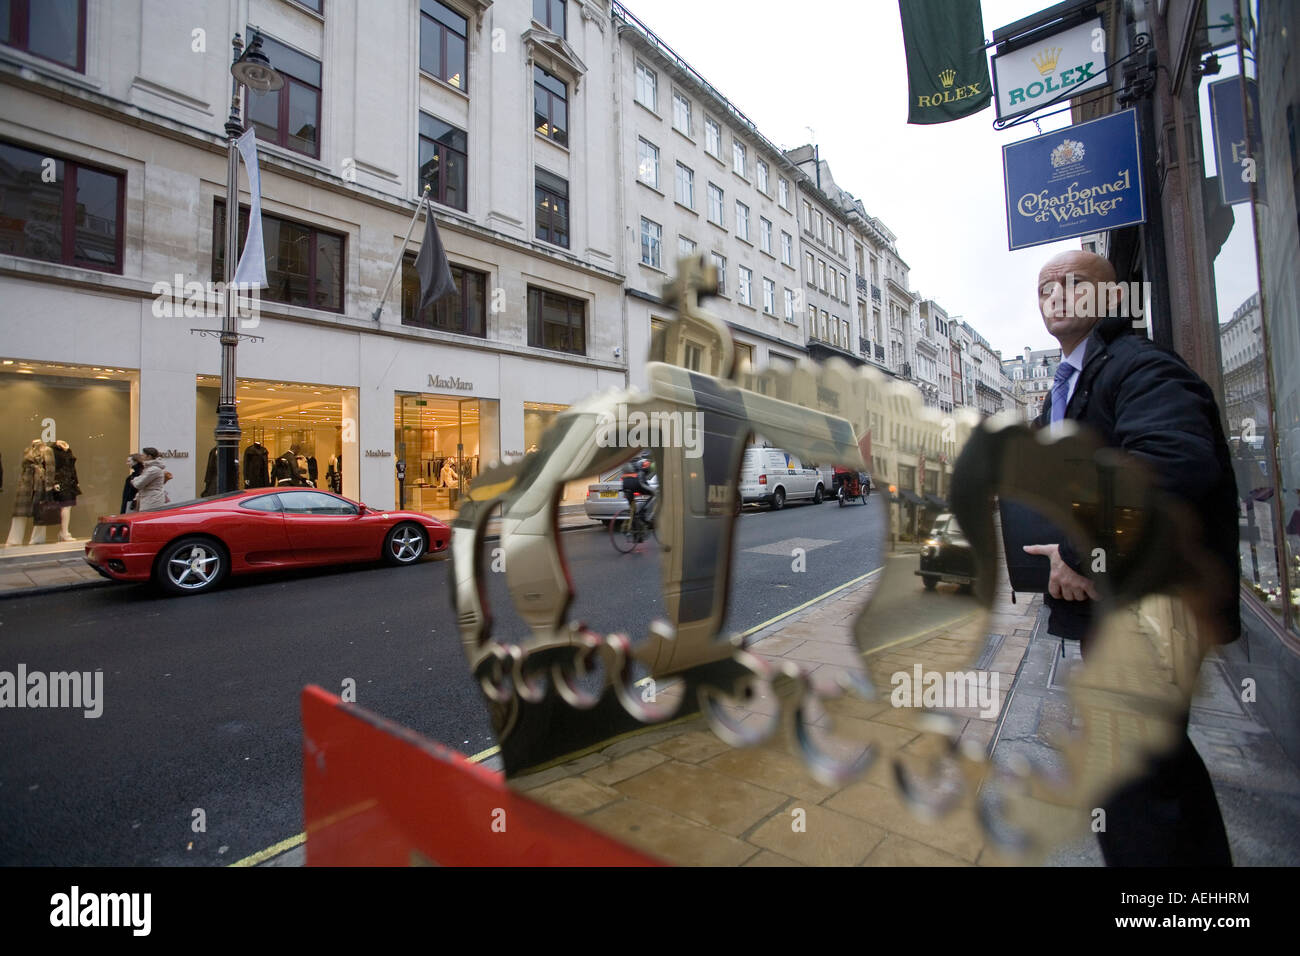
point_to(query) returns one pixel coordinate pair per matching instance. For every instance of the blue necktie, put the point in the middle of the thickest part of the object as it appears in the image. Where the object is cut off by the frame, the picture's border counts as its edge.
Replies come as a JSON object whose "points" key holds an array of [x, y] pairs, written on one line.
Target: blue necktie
{"points": [[1061, 390]]}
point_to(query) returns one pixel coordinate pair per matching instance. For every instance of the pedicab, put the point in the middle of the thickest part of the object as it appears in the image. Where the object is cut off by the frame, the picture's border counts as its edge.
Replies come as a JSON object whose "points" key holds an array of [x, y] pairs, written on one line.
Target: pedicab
{"points": [[848, 484]]}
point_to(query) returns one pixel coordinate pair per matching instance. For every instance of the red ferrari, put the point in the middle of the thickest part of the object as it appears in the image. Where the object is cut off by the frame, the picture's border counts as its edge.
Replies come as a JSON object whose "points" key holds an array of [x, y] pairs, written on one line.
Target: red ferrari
{"points": [[188, 548]]}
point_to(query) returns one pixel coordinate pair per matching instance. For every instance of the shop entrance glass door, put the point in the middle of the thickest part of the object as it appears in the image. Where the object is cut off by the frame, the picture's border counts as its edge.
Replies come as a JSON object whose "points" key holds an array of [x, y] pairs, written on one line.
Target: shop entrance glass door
{"points": [[438, 439]]}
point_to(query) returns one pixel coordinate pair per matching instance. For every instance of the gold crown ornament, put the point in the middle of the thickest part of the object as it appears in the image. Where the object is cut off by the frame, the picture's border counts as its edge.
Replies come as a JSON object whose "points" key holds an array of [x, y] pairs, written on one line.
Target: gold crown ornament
{"points": [[1046, 60]]}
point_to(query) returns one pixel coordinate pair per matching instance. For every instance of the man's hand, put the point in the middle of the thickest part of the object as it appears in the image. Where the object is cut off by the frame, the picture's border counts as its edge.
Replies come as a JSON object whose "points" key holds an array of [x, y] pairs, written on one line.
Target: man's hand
{"points": [[1065, 583]]}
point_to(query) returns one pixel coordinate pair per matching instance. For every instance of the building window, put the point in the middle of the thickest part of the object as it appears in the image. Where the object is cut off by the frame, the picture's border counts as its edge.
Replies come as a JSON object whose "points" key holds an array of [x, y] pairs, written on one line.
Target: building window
{"points": [[652, 235], [444, 162], [769, 296], [765, 235], [443, 48], [721, 263], [550, 106], [556, 322], [290, 116], [304, 265], [464, 311], [839, 240], [821, 275], [685, 247], [743, 288], [742, 221], [685, 186], [789, 305], [647, 166], [844, 287], [811, 269], [712, 138], [552, 208], [715, 206], [681, 113], [76, 219], [54, 30], [738, 157], [787, 248], [647, 87], [807, 216], [761, 168], [819, 226], [550, 14], [783, 194]]}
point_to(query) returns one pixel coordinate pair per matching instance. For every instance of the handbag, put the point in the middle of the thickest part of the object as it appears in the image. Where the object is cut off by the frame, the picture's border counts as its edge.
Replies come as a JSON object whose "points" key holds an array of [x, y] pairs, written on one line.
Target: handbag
{"points": [[48, 512]]}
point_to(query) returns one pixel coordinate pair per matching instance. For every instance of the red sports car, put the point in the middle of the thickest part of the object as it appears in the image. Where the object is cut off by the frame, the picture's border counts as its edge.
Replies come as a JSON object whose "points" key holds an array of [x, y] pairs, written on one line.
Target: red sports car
{"points": [[187, 548]]}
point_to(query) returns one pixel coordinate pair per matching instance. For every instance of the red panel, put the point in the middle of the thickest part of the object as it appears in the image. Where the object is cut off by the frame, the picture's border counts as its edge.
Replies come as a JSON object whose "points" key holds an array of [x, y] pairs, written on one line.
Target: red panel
{"points": [[378, 794]]}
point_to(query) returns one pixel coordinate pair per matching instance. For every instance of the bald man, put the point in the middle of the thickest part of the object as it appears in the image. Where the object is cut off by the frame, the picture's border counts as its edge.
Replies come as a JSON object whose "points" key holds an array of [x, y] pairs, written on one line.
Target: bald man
{"points": [[1148, 402]]}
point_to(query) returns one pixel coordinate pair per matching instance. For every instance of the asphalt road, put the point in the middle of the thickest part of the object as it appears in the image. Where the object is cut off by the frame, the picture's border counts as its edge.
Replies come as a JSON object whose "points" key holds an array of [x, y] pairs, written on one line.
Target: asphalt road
{"points": [[200, 699]]}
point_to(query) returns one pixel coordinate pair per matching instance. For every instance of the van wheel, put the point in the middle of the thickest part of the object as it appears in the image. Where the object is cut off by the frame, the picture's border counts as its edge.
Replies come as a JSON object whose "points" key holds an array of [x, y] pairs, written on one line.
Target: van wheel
{"points": [[778, 499], [930, 583], [819, 495]]}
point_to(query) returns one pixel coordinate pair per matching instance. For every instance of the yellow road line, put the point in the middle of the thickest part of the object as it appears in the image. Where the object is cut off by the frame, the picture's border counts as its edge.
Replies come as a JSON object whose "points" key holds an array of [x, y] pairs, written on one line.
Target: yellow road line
{"points": [[293, 841]]}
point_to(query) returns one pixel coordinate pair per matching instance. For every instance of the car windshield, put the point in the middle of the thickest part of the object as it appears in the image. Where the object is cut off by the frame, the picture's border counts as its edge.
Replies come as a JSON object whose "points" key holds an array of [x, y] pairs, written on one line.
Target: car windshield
{"points": [[945, 524]]}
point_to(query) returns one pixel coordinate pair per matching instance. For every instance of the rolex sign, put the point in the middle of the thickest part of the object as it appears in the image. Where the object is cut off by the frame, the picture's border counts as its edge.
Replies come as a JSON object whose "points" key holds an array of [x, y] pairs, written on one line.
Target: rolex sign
{"points": [[1056, 69]]}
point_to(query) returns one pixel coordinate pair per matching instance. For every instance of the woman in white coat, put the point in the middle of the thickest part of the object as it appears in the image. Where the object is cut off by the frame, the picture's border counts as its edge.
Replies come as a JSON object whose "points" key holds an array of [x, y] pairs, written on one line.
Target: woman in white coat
{"points": [[150, 494]]}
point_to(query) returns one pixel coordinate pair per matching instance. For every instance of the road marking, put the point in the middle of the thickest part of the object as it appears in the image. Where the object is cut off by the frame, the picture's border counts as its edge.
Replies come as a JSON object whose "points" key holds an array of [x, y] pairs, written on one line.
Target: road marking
{"points": [[293, 841], [789, 544], [285, 845]]}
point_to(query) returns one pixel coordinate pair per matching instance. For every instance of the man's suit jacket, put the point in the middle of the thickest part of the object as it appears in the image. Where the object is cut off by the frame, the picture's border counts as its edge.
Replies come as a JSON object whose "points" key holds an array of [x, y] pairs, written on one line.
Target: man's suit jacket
{"points": [[1148, 402]]}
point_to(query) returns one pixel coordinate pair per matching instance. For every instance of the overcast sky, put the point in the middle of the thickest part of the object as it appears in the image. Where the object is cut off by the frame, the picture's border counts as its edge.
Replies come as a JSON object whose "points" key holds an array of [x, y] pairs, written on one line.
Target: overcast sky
{"points": [[839, 68]]}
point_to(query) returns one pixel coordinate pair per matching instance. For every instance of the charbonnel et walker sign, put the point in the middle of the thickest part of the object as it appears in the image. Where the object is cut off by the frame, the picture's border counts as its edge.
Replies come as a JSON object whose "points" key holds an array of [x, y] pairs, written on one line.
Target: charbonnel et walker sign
{"points": [[1075, 181]]}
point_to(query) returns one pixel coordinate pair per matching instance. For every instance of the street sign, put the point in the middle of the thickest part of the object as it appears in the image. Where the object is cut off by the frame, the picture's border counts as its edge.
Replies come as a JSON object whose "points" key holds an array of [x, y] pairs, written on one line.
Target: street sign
{"points": [[1074, 181], [1063, 65], [1237, 168]]}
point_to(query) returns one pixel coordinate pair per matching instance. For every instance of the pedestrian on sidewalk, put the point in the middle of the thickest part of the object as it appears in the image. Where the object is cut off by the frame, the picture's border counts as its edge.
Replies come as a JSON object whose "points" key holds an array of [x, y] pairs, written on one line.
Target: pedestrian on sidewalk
{"points": [[150, 493], [1148, 402]]}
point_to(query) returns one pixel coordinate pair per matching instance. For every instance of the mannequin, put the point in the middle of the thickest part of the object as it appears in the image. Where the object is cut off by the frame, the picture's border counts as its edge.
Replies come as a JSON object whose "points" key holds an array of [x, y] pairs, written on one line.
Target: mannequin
{"points": [[35, 484], [66, 488], [256, 470]]}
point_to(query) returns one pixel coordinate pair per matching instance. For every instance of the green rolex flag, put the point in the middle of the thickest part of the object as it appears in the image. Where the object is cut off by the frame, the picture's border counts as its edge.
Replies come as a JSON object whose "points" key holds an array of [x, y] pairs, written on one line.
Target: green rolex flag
{"points": [[947, 72]]}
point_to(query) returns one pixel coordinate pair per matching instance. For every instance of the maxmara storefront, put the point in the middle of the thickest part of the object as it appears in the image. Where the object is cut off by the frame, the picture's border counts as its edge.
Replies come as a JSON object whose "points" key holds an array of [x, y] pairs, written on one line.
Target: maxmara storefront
{"points": [[352, 400]]}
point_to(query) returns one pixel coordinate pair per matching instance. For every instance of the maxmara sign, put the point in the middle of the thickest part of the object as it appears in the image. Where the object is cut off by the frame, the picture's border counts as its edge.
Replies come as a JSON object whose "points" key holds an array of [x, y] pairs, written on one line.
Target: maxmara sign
{"points": [[1064, 65], [452, 384]]}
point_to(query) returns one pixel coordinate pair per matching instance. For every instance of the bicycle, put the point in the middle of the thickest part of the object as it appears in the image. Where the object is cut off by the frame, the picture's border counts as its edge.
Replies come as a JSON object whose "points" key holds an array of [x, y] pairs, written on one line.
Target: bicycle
{"points": [[627, 531]]}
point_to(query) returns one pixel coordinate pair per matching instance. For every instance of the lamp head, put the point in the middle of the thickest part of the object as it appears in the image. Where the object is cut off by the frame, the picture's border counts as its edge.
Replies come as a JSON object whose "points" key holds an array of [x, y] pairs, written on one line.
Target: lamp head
{"points": [[254, 70]]}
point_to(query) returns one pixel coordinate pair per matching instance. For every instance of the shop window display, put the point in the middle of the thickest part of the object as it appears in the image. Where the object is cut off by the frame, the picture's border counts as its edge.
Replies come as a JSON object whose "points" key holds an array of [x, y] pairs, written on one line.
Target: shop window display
{"points": [[64, 442], [444, 443], [292, 435]]}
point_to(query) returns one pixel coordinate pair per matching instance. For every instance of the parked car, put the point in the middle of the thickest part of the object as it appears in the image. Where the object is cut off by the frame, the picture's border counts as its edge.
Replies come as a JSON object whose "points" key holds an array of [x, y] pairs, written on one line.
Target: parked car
{"points": [[946, 555], [772, 477], [605, 500], [188, 548]]}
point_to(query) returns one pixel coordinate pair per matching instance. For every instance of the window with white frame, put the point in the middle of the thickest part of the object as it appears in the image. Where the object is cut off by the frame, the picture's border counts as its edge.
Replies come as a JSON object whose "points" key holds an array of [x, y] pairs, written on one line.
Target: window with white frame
{"points": [[811, 268], [647, 167], [807, 216], [743, 288], [783, 194], [787, 248], [760, 168], [738, 157], [818, 219], [844, 287], [769, 296], [720, 263], [647, 87], [681, 113], [765, 235], [715, 206], [685, 247], [789, 305], [652, 235], [742, 220], [712, 138], [839, 240], [821, 275], [685, 186]]}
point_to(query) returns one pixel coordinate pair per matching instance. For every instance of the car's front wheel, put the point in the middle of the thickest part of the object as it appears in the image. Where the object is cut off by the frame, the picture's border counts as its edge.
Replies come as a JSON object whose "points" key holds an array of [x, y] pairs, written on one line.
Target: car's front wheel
{"points": [[191, 566], [405, 544]]}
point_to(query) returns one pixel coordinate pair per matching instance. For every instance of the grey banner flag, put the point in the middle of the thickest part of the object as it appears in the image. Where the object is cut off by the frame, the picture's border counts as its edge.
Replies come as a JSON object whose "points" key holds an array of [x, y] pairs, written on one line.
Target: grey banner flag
{"points": [[431, 265]]}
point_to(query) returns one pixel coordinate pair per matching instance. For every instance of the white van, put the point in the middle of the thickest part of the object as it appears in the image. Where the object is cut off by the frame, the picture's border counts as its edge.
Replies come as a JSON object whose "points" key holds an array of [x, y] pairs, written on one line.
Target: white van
{"points": [[773, 477]]}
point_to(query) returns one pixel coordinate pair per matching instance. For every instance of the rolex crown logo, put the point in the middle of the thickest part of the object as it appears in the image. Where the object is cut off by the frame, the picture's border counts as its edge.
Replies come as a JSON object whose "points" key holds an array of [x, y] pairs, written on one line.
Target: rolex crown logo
{"points": [[947, 77], [1047, 59]]}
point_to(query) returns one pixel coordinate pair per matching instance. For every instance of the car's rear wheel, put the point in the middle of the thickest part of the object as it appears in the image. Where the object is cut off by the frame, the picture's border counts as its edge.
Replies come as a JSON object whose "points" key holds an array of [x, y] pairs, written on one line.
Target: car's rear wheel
{"points": [[191, 566], [405, 543], [778, 499], [930, 583], [819, 495]]}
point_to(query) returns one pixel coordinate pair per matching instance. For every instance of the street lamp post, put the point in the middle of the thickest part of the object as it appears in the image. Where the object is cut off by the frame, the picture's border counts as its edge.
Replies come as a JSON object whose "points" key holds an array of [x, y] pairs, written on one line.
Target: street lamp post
{"points": [[252, 69]]}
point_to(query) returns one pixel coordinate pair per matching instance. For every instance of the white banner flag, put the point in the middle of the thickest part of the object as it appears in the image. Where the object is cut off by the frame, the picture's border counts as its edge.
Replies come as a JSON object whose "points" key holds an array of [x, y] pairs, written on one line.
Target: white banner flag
{"points": [[251, 270]]}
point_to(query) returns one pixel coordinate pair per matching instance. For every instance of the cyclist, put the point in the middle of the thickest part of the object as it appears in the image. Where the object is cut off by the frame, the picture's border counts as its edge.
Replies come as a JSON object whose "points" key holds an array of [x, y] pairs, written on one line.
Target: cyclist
{"points": [[636, 480]]}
